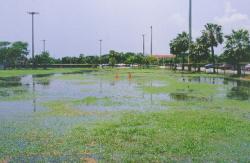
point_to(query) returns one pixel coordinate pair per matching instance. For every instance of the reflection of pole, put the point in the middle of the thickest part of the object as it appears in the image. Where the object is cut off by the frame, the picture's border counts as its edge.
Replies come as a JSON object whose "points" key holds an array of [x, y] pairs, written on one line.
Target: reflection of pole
{"points": [[100, 85], [34, 94], [151, 95]]}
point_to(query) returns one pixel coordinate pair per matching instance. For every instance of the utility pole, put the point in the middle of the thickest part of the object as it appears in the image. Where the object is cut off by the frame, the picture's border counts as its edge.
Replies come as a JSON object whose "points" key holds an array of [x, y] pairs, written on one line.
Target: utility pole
{"points": [[33, 38], [44, 46], [100, 51], [151, 48], [190, 26], [143, 44]]}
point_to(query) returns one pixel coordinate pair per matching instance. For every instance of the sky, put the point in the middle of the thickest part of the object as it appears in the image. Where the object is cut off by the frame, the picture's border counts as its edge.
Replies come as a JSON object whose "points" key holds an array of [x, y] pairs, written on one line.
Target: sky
{"points": [[73, 27]]}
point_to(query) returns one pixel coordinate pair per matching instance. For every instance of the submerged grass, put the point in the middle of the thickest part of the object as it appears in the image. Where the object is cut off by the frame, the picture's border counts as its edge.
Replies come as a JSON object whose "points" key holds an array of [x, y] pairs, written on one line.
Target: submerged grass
{"points": [[63, 108], [197, 128], [15, 94], [92, 100]]}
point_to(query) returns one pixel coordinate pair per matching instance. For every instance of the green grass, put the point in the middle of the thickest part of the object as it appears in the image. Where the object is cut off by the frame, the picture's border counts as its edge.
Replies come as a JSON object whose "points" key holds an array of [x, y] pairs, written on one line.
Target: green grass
{"points": [[170, 135], [91, 100], [64, 108]]}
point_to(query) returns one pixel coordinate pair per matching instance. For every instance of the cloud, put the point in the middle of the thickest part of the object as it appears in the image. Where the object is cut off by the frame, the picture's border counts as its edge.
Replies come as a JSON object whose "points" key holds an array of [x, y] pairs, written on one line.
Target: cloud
{"points": [[231, 16]]}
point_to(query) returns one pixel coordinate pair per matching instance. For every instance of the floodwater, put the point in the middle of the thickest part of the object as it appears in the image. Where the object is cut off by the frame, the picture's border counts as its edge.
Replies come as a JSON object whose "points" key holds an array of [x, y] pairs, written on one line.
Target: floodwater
{"points": [[22, 99]]}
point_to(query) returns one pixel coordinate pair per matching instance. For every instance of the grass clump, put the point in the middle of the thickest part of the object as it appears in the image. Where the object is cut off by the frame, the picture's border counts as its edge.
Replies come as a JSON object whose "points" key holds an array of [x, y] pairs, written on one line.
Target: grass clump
{"points": [[91, 100], [61, 108], [172, 135]]}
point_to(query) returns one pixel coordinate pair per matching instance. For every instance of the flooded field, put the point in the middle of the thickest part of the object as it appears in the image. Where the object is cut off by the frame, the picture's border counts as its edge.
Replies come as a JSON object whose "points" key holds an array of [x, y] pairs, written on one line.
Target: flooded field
{"points": [[124, 116]]}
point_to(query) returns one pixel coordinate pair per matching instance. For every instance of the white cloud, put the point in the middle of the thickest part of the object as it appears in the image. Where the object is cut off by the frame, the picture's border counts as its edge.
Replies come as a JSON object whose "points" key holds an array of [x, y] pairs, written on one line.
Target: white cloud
{"points": [[231, 16]]}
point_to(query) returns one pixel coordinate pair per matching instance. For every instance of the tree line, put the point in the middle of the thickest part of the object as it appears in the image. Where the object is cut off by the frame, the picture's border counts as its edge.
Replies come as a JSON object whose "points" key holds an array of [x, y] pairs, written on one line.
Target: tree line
{"points": [[236, 47], [16, 54]]}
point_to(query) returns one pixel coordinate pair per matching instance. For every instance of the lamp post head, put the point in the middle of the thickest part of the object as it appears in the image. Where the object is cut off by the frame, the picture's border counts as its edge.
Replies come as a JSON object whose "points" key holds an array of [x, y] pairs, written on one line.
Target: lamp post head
{"points": [[33, 13]]}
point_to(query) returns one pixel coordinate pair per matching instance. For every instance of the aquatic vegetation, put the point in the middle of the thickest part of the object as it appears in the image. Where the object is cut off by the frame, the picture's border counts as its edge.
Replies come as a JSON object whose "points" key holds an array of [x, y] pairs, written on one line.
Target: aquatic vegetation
{"points": [[15, 94], [62, 108], [91, 100], [124, 115]]}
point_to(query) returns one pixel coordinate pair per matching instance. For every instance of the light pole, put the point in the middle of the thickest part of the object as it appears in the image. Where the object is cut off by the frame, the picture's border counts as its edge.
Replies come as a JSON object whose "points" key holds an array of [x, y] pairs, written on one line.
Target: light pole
{"points": [[190, 27], [44, 45], [190, 20], [100, 51], [33, 41], [143, 44], [151, 47]]}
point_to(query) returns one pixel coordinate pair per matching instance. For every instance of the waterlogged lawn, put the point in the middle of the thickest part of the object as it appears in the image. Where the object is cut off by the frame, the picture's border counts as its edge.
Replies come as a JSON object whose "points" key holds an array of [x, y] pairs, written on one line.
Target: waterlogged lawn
{"points": [[124, 115]]}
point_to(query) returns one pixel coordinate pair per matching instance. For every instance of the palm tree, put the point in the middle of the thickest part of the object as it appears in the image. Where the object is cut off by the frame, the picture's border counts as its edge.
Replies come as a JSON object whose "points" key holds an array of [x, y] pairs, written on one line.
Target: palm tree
{"points": [[180, 46], [199, 51], [237, 47], [213, 36]]}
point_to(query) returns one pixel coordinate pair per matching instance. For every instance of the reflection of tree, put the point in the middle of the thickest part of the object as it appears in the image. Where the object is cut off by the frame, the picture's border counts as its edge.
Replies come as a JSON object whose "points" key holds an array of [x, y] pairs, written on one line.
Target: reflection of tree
{"points": [[43, 79], [12, 88], [101, 86], [10, 82], [239, 93]]}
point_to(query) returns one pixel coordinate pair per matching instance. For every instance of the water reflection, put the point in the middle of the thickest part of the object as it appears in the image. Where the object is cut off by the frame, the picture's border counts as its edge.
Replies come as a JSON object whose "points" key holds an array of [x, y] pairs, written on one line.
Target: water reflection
{"points": [[34, 93], [100, 86], [10, 82], [186, 97], [239, 91], [236, 89], [151, 94], [42, 79]]}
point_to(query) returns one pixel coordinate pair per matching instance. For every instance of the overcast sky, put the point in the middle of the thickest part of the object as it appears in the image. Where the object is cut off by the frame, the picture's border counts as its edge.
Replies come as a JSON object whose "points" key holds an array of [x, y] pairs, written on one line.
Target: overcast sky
{"points": [[75, 26]]}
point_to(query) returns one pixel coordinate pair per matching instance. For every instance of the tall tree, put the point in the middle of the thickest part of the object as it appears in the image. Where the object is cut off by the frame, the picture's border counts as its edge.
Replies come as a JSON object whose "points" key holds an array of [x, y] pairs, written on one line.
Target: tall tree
{"points": [[199, 51], [213, 36], [13, 53], [4, 51], [237, 47], [44, 59], [180, 46], [113, 57]]}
